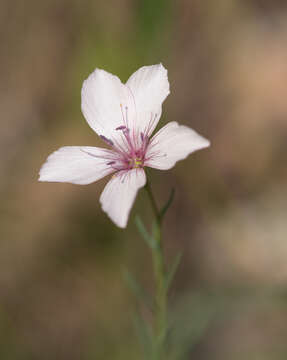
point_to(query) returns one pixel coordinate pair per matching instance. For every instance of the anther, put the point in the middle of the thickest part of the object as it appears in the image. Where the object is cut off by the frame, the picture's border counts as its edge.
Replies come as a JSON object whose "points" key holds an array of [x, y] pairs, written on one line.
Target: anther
{"points": [[122, 127], [106, 140]]}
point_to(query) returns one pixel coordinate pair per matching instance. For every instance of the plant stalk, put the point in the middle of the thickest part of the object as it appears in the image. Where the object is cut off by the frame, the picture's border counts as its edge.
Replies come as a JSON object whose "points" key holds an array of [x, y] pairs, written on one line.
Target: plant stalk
{"points": [[160, 326]]}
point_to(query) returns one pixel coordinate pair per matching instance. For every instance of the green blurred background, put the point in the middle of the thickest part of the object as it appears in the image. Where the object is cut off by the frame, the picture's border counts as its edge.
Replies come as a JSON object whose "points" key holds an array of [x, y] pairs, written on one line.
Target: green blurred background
{"points": [[61, 290]]}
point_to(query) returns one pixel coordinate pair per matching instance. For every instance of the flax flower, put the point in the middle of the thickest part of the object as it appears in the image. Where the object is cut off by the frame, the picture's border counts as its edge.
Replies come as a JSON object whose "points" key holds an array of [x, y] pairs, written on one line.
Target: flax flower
{"points": [[124, 116]]}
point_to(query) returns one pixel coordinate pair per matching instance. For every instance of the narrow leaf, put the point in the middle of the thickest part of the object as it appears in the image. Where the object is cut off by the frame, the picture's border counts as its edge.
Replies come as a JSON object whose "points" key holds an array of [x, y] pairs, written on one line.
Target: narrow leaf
{"points": [[172, 270], [144, 233], [137, 289], [168, 203]]}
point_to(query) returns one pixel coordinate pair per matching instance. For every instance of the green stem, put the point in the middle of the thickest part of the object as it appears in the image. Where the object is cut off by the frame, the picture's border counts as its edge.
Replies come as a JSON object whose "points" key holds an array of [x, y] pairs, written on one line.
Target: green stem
{"points": [[160, 291], [152, 200]]}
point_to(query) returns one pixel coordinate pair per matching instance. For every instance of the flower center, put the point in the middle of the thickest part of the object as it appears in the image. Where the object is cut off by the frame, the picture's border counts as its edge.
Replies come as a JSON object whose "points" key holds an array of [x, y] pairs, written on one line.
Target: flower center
{"points": [[136, 162]]}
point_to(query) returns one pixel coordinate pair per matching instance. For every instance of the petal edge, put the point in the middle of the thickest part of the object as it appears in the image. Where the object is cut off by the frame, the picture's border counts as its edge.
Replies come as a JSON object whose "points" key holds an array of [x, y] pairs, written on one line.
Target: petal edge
{"points": [[172, 143], [80, 165], [149, 86], [119, 195]]}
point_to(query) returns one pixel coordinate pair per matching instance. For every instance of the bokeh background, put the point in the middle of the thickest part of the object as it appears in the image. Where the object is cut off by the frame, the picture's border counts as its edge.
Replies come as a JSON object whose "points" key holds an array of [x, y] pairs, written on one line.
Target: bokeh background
{"points": [[62, 295]]}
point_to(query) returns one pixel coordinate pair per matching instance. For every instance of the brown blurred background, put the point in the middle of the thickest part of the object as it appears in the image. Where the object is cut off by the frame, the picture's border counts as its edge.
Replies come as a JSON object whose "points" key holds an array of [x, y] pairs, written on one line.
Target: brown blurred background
{"points": [[61, 290]]}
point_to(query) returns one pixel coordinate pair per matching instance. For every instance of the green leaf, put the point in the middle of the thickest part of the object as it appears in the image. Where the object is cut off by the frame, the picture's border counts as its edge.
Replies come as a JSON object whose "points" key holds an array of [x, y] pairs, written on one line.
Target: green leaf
{"points": [[144, 233], [137, 289], [172, 270], [168, 203]]}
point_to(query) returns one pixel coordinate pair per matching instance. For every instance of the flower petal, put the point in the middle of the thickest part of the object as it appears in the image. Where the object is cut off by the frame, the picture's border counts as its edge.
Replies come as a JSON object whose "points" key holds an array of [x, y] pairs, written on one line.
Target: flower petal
{"points": [[119, 194], [149, 86], [77, 164], [173, 143], [107, 104]]}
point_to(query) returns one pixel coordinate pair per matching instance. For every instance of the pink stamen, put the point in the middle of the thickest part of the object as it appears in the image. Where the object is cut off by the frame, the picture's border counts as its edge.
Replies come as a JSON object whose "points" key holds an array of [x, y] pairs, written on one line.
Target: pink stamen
{"points": [[130, 149], [127, 120]]}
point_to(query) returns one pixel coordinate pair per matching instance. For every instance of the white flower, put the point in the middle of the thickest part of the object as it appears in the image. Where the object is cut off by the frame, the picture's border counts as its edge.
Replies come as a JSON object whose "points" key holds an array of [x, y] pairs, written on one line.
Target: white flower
{"points": [[124, 116]]}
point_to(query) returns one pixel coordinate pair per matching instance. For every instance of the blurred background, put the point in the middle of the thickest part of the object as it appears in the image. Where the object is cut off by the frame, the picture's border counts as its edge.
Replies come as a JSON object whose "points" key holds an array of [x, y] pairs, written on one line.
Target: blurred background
{"points": [[62, 295]]}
